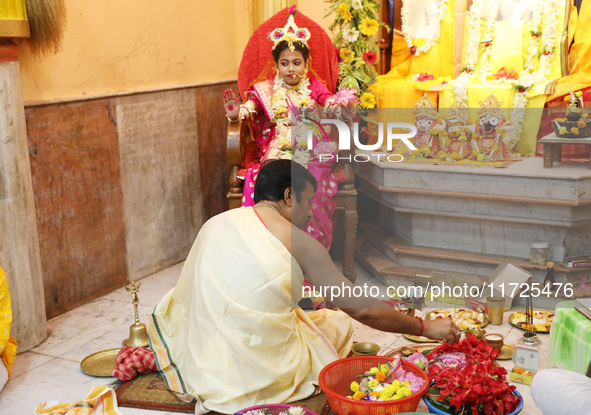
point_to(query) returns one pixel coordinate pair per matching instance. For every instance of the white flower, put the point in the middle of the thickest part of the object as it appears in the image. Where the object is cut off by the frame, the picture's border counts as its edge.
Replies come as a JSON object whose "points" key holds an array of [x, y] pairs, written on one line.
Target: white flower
{"points": [[296, 410], [351, 34], [356, 4]]}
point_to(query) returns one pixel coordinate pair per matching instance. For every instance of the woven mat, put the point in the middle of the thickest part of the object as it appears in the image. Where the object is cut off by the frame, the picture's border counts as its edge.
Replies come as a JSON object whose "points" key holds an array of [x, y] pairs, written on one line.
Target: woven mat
{"points": [[150, 392]]}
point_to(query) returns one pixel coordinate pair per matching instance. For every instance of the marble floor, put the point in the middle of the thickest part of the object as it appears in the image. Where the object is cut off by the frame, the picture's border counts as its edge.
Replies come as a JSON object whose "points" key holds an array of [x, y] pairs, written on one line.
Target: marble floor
{"points": [[51, 371]]}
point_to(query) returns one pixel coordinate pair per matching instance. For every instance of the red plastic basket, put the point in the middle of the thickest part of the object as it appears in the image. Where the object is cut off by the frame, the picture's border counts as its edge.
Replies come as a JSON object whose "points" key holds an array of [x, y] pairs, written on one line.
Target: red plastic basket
{"points": [[335, 380]]}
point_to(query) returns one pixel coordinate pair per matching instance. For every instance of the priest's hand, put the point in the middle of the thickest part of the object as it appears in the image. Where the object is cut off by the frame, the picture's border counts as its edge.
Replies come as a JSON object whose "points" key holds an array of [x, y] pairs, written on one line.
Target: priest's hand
{"points": [[231, 105], [441, 329]]}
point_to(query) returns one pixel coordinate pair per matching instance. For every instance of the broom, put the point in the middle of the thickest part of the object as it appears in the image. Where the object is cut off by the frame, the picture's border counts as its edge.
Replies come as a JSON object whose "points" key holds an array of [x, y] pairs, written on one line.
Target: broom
{"points": [[47, 19]]}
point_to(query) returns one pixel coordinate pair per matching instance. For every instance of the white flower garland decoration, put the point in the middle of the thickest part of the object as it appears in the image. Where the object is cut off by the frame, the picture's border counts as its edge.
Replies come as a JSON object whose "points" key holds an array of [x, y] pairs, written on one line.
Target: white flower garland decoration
{"points": [[281, 116], [407, 30], [527, 78], [460, 84], [488, 41]]}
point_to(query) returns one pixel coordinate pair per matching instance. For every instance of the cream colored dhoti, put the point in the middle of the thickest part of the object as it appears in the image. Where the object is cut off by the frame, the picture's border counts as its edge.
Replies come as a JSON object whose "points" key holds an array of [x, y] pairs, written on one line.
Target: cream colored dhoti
{"points": [[228, 335]]}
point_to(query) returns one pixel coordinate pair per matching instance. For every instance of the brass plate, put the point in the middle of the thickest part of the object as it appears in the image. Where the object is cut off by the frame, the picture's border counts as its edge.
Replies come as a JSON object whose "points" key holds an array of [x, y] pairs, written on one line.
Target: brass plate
{"points": [[418, 347], [419, 339], [448, 311], [506, 352], [512, 320], [100, 363]]}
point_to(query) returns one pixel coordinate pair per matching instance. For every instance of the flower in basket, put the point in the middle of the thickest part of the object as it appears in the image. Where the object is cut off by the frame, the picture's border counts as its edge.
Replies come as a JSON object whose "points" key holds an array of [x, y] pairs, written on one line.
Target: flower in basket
{"points": [[417, 358], [293, 410], [476, 389], [386, 383]]}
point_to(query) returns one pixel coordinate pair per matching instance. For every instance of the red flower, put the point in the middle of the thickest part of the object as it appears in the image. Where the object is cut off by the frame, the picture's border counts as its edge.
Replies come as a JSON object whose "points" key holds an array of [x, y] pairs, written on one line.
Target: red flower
{"points": [[413, 49], [370, 57], [487, 44]]}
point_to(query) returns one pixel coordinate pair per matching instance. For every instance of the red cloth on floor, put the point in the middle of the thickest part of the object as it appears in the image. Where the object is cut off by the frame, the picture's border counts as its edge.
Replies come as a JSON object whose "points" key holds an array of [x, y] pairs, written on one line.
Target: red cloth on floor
{"points": [[132, 361]]}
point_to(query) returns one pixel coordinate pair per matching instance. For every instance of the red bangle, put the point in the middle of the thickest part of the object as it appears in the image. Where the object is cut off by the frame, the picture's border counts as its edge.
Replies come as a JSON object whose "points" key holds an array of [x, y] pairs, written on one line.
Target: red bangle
{"points": [[422, 326]]}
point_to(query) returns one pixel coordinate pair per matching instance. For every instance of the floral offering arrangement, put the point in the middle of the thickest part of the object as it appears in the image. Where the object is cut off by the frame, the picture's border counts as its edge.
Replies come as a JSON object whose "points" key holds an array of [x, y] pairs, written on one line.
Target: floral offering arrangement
{"points": [[293, 410], [465, 380], [355, 24], [387, 382]]}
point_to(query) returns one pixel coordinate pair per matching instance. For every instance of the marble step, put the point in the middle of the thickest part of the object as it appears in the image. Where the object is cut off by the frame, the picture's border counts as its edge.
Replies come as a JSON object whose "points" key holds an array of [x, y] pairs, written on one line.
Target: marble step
{"points": [[481, 223], [393, 273]]}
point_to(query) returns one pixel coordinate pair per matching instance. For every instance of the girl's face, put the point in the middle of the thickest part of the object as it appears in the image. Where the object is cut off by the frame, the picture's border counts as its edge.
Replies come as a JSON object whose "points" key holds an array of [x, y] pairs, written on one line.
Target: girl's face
{"points": [[291, 66]]}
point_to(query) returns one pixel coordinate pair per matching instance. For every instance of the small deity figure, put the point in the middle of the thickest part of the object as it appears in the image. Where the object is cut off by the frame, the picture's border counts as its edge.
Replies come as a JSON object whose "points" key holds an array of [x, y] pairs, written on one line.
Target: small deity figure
{"points": [[459, 136], [574, 107], [428, 126], [133, 290], [491, 131]]}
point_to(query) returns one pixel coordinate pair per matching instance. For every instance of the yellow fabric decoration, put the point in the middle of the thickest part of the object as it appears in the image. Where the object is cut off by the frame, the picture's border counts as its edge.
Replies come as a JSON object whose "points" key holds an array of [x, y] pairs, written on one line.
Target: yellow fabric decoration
{"points": [[99, 401], [7, 343]]}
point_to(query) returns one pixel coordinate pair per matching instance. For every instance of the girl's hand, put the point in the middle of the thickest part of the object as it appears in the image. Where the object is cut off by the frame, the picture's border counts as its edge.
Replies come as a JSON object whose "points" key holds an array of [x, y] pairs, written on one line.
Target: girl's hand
{"points": [[231, 105]]}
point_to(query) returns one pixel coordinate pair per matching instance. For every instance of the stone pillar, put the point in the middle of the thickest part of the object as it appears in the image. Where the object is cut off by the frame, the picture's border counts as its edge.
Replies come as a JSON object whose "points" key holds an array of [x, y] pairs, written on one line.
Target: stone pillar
{"points": [[19, 243]]}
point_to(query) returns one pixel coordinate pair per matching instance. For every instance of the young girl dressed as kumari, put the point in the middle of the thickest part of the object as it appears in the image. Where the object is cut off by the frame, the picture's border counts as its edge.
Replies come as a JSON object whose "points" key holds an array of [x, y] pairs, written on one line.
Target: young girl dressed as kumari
{"points": [[276, 109]]}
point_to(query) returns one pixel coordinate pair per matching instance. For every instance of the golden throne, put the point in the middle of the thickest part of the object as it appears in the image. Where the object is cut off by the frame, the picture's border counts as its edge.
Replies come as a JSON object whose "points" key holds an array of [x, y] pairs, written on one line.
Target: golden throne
{"points": [[240, 138]]}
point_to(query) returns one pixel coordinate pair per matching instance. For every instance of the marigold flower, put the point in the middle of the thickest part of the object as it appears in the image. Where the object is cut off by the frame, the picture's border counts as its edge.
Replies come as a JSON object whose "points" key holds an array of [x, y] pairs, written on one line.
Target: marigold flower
{"points": [[373, 383], [480, 157], [345, 12], [381, 376], [567, 98], [463, 138], [562, 130], [368, 26], [403, 392], [582, 124], [368, 100], [475, 153], [373, 370], [579, 94], [354, 387], [359, 395], [385, 368]]}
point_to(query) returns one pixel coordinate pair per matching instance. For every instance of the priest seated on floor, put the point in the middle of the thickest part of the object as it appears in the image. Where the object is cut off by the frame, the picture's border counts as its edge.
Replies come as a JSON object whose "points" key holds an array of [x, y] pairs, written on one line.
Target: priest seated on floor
{"points": [[230, 334]]}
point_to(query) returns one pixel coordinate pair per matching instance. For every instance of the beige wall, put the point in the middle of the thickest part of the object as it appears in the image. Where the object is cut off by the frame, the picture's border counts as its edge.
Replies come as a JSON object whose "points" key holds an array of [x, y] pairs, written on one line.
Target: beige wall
{"points": [[111, 46]]}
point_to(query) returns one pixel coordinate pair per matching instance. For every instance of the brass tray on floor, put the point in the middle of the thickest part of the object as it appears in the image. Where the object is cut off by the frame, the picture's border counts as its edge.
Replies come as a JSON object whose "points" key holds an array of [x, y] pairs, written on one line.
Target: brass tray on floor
{"points": [[419, 339], [101, 363], [459, 323], [418, 347], [506, 352], [515, 320]]}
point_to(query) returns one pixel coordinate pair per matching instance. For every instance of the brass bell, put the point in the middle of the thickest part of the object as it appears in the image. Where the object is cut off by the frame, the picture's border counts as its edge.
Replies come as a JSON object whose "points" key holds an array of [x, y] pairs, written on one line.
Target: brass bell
{"points": [[138, 335]]}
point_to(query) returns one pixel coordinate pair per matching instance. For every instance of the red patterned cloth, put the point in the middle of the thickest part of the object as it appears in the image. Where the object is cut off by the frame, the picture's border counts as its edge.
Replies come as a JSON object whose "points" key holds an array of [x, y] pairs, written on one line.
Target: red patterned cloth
{"points": [[257, 61], [132, 361]]}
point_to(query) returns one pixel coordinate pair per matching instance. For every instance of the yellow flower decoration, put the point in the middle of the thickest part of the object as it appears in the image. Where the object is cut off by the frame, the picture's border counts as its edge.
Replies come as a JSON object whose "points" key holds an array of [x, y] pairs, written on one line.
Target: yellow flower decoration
{"points": [[368, 26], [347, 55], [303, 103], [384, 368], [582, 124], [368, 100], [404, 392], [373, 383], [373, 370], [380, 376], [354, 387], [579, 94], [463, 138], [567, 98], [345, 12], [480, 157], [562, 130], [359, 395], [475, 153], [574, 130]]}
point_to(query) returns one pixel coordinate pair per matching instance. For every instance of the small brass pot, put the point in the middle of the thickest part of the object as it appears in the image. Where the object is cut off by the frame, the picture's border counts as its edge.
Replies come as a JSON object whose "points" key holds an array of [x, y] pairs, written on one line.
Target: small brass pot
{"points": [[365, 349]]}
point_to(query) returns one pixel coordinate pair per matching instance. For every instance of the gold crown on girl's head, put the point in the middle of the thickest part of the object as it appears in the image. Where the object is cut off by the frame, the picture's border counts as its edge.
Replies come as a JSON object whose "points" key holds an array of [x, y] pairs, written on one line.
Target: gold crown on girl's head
{"points": [[425, 108], [491, 106], [290, 33]]}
